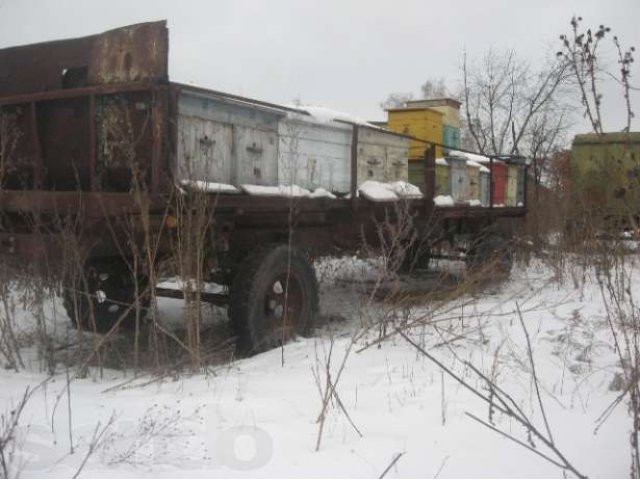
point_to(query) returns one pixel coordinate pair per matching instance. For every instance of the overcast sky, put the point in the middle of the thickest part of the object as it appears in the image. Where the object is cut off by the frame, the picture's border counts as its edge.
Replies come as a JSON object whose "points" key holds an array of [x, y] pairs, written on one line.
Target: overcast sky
{"points": [[346, 55]]}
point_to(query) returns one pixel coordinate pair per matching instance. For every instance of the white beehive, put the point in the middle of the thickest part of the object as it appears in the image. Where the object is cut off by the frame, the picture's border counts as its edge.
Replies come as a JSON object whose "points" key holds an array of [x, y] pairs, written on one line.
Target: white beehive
{"points": [[382, 155], [314, 154]]}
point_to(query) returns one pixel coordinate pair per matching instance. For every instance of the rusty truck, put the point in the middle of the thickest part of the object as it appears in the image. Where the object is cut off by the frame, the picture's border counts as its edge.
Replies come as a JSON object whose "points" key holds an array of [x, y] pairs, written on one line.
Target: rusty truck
{"points": [[103, 160]]}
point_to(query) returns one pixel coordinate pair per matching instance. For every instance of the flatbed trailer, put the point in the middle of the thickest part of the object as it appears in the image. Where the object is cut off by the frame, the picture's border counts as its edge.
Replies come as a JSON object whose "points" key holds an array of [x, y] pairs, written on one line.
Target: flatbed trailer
{"points": [[104, 213]]}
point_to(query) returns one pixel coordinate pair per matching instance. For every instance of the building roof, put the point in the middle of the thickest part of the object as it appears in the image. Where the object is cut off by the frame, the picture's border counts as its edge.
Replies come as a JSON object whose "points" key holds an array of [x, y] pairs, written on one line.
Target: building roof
{"points": [[413, 109], [434, 102], [611, 137]]}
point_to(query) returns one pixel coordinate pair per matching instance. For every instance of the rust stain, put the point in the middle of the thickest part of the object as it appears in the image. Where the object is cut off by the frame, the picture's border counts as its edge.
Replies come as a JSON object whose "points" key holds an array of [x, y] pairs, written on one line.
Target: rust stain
{"points": [[129, 54]]}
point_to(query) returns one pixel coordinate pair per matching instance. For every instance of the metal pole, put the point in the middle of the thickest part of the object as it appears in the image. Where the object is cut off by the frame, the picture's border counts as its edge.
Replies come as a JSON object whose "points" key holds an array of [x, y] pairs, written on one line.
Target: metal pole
{"points": [[525, 188], [38, 176], [93, 177], [430, 175], [491, 185], [354, 164]]}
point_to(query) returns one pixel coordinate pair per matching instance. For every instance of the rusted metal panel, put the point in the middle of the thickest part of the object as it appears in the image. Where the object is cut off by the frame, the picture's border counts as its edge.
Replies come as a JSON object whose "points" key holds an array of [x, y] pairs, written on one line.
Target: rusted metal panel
{"points": [[314, 154], [91, 204], [76, 93], [130, 54], [133, 53], [85, 142], [64, 129], [19, 149], [39, 67], [125, 143]]}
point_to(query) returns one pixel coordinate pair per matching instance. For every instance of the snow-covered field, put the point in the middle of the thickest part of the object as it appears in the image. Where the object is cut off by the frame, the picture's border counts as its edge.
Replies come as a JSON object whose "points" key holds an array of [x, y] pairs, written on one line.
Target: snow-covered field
{"points": [[258, 417]]}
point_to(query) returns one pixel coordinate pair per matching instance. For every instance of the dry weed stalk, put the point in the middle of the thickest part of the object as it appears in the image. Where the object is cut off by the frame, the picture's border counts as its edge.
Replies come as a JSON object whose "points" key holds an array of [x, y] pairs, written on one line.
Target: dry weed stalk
{"points": [[501, 401], [9, 426], [327, 388], [10, 133], [615, 279]]}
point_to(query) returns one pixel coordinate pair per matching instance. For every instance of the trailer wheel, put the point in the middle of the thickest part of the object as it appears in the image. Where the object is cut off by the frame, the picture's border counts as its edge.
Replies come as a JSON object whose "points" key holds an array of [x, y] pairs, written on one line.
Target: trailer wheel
{"points": [[274, 297], [491, 253], [99, 299]]}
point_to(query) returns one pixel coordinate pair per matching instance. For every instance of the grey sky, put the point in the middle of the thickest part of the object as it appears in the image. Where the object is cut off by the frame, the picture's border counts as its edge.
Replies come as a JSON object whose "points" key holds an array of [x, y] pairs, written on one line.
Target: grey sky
{"points": [[341, 54]]}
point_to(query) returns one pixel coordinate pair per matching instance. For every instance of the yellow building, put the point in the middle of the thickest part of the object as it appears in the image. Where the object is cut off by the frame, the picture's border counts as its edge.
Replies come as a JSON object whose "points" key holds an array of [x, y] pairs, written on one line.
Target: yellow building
{"points": [[449, 106], [420, 122], [450, 122]]}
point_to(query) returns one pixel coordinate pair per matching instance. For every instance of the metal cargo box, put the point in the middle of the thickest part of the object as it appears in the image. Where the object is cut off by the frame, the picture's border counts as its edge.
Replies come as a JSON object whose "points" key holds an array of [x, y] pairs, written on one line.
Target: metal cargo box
{"points": [[314, 154], [219, 140], [382, 156]]}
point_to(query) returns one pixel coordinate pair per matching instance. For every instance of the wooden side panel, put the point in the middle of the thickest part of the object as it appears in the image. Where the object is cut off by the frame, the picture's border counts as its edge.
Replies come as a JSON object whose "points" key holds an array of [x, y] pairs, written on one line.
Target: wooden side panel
{"points": [[314, 155], [520, 186], [443, 180], [226, 142], [512, 186], [425, 124], [255, 155], [484, 188], [473, 182], [382, 156], [459, 185], [204, 150]]}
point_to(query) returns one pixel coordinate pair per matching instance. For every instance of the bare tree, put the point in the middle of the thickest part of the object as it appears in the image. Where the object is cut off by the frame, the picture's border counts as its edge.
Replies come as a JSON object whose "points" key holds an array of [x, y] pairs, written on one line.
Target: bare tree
{"points": [[396, 100], [511, 107], [435, 88], [581, 53], [431, 88]]}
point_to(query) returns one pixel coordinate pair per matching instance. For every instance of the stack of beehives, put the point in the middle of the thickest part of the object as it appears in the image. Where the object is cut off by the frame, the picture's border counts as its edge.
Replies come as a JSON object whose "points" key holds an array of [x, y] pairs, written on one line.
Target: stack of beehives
{"points": [[243, 145]]}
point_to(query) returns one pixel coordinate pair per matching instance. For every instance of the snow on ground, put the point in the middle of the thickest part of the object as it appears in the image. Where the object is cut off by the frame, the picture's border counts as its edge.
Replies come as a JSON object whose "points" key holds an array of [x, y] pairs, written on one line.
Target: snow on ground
{"points": [[257, 417]]}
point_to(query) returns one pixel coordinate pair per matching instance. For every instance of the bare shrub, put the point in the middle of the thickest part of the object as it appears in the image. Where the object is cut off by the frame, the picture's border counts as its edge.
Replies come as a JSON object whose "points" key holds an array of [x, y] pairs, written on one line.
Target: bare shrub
{"points": [[9, 434]]}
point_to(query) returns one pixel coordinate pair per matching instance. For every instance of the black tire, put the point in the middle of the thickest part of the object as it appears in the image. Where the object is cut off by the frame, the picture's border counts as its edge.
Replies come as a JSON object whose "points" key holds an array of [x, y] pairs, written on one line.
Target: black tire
{"points": [[263, 285], [491, 253], [99, 298]]}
